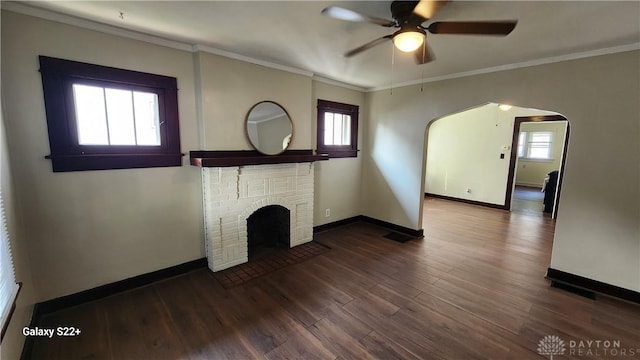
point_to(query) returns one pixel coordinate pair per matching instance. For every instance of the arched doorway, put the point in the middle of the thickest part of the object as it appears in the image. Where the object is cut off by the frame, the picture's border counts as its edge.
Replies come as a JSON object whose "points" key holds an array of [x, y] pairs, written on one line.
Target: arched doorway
{"points": [[471, 155]]}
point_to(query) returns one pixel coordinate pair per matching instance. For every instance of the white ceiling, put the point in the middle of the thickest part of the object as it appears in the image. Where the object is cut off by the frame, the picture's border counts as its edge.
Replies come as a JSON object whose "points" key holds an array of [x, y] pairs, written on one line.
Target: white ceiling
{"points": [[295, 34]]}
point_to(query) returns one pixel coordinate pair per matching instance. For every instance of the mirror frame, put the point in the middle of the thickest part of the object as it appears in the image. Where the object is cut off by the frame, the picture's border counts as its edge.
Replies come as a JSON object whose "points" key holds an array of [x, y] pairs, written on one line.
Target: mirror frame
{"points": [[246, 126]]}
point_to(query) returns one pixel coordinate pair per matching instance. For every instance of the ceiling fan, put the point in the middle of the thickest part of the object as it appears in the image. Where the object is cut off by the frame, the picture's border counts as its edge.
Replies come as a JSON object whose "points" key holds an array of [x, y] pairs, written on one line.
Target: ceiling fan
{"points": [[409, 16]]}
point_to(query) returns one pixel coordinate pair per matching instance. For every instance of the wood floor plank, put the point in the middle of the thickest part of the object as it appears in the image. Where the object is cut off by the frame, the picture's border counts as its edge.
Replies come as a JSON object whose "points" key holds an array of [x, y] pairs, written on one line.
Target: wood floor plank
{"points": [[339, 341], [198, 333], [382, 348], [473, 288], [91, 343], [483, 308], [301, 345], [347, 322], [139, 315]]}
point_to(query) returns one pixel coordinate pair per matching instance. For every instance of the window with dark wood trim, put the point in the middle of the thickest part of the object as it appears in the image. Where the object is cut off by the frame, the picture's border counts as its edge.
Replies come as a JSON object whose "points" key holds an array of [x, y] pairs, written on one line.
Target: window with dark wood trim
{"points": [[103, 118], [337, 129]]}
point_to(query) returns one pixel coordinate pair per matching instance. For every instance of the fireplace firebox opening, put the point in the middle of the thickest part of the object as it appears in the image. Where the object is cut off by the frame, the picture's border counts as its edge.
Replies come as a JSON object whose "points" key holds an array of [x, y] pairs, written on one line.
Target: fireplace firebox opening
{"points": [[268, 229]]}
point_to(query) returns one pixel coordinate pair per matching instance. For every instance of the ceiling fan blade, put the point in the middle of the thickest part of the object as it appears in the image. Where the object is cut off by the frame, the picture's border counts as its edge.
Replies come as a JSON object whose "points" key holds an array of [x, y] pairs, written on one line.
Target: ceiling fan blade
{"points": [[424, 54], [428, 8], [367, 46], [339, 13], [497, 28]]}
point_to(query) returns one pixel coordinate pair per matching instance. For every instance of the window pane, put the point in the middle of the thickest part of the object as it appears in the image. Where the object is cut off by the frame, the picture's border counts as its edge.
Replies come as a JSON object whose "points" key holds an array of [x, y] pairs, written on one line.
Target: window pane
{"points": [[328, 128], [346, 130], [146, 118], [539, 151], [90, 115], [541, 137], [120, 115], [540, 145], [521, 140], [337, 129]]}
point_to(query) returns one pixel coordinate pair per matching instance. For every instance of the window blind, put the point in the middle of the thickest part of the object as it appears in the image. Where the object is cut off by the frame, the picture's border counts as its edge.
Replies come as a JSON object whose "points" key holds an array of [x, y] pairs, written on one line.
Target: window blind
{"points": [[8, 286]]}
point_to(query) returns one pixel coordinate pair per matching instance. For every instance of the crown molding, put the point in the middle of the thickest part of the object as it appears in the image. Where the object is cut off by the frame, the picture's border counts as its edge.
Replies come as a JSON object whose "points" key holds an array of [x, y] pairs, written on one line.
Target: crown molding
{"points": [[46, 14], [549, 60], [329, 81], [231, 55], [21, 8]]}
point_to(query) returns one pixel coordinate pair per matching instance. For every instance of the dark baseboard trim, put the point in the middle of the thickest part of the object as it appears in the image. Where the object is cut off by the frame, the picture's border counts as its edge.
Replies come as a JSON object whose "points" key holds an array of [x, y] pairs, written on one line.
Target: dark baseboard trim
{"points": [[472, 202], [335, 224], [63, 302], [599, 287], [116, 287], [394, 227], [572, 289]]}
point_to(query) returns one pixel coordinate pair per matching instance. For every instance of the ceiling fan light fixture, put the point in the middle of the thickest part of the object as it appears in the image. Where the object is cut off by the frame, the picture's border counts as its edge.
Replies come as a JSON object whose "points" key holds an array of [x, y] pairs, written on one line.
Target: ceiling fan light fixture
{"points": [[408, 41]]}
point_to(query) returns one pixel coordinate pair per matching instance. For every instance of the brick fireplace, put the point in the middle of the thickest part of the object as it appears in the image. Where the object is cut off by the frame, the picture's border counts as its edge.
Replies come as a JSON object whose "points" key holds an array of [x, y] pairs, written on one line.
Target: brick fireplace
{"points": [[233, 193]]}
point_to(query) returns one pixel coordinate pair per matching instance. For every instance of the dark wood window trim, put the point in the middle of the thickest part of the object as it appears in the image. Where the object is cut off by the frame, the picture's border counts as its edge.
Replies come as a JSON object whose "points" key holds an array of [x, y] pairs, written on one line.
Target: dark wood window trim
{"points": [[337, 151], [58, 77]]}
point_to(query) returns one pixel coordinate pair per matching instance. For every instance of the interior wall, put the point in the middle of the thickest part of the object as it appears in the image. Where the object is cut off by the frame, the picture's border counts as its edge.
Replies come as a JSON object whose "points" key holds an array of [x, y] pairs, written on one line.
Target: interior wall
{"points": [[463, 153], [229, 88], [531, 172], [89, 228], [597, 234], [13, 341], [338, 181]]}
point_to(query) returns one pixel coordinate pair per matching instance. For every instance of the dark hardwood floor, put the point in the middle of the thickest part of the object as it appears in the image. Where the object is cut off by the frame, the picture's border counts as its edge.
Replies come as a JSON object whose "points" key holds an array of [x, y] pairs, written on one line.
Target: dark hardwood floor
{"points": [[473, 288], [528, 200]]}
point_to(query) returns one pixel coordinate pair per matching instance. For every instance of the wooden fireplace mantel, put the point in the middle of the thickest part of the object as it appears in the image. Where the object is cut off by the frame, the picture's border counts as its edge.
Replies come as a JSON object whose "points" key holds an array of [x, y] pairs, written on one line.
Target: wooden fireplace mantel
{"points": [[222, 158]]}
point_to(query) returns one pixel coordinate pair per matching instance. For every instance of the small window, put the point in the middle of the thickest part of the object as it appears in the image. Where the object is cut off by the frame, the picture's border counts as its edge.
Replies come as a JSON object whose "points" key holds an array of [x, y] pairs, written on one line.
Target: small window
{"points": [[337, 129], [105, 118], [535, 145]]}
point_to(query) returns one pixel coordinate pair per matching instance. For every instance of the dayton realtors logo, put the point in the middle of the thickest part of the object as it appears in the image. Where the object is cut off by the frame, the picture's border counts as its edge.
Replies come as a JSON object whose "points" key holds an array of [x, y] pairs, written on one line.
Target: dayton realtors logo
{"points": [[552, 345]]}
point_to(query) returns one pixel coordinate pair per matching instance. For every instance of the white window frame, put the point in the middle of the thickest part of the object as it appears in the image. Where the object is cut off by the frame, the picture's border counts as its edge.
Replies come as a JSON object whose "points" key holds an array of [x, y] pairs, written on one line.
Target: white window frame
{"points": [[525, 149]]}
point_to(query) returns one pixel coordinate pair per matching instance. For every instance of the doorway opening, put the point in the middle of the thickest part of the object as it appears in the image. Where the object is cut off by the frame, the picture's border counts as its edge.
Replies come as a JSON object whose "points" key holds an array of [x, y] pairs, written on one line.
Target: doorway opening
{"points": [[538, 153], [473, 156]]}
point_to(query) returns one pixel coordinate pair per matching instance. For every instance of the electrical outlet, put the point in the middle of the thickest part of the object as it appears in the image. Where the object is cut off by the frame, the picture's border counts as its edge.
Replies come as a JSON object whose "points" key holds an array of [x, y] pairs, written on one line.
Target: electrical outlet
{"points": [[327, 212]]}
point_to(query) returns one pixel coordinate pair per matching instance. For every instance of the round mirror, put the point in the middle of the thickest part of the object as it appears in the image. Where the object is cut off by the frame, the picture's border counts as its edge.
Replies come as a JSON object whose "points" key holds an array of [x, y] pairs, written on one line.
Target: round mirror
{"points": [[269, 128]]}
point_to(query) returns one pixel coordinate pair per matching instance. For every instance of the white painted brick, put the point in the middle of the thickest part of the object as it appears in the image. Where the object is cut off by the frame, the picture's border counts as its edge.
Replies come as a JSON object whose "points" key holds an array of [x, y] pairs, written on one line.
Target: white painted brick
{"points": [[232, 194]]}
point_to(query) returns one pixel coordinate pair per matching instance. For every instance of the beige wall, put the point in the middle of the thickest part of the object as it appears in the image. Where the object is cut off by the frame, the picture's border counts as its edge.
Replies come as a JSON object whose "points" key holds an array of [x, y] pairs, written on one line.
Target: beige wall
{"points": [[463, 155], [597, 234], [85, 229], [231, 87], [532, 172], [338, 181], [12, 343], [90, 228], [463, 152]]}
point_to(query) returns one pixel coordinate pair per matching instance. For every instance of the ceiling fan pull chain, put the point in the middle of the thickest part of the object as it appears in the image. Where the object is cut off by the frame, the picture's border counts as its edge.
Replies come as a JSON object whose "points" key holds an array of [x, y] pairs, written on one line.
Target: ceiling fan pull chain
{"points": [[393, 61], [424, 53]]}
